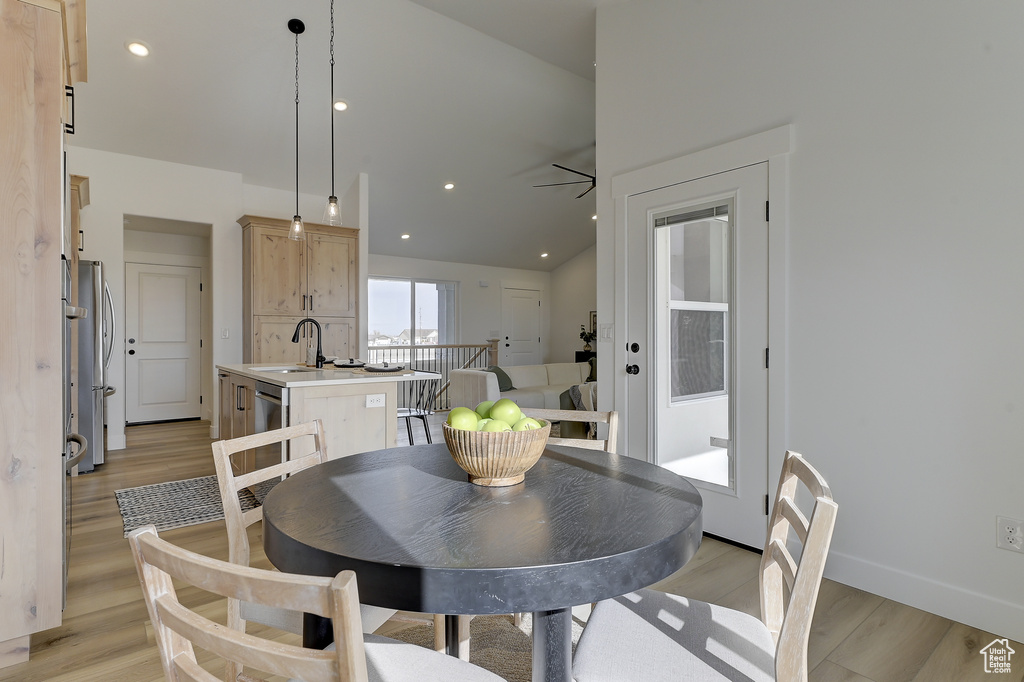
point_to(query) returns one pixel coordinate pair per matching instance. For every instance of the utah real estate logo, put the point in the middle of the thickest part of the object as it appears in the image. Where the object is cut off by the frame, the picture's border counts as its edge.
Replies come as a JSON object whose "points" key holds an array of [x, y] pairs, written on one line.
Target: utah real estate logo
{"points": [[997, 656]]}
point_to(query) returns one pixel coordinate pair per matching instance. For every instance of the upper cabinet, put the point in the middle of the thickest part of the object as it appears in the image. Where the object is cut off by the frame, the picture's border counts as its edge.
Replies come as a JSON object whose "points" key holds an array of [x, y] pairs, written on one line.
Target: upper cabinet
{"points": [[285, 281]]}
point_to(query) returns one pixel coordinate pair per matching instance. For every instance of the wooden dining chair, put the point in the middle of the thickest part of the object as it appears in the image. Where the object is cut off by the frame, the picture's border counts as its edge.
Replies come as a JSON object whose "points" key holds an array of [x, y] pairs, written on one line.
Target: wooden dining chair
{"points": [[353, 657], [610, 418], [653, 636], [309, 436]]}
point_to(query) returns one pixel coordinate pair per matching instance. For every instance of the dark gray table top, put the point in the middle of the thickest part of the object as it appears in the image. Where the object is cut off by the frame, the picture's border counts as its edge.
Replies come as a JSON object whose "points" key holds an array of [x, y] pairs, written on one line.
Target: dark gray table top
{"points": [[584, 525]]}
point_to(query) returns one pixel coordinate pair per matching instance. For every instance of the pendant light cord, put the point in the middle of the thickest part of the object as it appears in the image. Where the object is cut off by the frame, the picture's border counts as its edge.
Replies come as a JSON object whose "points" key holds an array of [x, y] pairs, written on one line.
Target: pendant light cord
{"points": [[332, 99], [296, 124]]}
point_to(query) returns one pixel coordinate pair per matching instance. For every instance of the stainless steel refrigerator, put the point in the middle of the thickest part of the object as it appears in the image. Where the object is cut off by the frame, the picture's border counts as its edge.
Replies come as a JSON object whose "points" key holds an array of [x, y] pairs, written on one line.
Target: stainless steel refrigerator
{"points": [[95, 344]]}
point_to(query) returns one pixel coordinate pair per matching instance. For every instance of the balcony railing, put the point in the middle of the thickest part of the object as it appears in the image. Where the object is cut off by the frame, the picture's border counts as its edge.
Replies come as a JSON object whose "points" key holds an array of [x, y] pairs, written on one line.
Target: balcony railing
{"points": [[441, 359]]}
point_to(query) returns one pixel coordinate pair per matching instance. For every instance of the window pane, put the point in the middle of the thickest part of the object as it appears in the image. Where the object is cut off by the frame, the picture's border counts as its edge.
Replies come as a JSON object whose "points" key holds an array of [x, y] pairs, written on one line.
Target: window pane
{"points": [[388, 311], [698, 353], [427, 321], [699, 266]]}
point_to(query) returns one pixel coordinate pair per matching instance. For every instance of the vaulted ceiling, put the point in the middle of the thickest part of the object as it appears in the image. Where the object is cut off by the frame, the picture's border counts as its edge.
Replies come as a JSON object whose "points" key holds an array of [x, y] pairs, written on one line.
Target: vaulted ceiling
{"points": [[486, 94]]}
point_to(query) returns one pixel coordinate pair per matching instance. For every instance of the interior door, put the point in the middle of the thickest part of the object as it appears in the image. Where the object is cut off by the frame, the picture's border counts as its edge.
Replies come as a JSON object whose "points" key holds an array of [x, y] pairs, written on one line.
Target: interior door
{"points": [[697, 301], [162, 335], [520, 327]]}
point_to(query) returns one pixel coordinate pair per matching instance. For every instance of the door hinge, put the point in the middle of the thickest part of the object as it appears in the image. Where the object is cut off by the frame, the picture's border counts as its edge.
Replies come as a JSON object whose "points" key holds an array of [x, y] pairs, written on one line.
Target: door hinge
{"points": [[200, 400], [766, 504], [766, 358], [200, 286], [766, 219], [200, 343]]}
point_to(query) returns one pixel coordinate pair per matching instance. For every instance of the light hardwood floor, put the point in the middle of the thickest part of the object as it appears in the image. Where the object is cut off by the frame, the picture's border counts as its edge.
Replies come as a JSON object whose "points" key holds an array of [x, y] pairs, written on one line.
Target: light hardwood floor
{"points": [[856, 636]]}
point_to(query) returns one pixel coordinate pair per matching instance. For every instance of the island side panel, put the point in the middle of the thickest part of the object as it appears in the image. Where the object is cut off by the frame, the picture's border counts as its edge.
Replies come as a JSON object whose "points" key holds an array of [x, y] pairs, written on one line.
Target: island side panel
{"points": [[349, 425]]}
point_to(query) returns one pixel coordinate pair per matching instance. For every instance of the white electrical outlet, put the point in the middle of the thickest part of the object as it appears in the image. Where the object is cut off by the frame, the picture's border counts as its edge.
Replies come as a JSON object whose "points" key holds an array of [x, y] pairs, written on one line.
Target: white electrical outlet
{"points": [[1010, 534], [375, 400]]}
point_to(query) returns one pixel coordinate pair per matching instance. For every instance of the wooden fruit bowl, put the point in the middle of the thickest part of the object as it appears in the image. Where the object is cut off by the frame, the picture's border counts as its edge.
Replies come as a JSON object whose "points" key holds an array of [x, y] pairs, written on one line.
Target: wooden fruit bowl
{"points": [[493, 458]]}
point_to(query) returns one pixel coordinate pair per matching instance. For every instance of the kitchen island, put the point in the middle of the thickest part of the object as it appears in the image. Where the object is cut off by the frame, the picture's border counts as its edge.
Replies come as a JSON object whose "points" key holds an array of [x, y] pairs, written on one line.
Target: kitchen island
{"points": [[359, 408]]}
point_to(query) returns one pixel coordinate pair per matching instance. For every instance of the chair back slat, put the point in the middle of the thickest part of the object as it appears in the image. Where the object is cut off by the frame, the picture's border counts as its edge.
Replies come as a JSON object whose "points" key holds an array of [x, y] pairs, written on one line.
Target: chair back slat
{"points": [[610, 418], [797, 521], [268, 656], [178, 627], [789, 619], [783, 560]]}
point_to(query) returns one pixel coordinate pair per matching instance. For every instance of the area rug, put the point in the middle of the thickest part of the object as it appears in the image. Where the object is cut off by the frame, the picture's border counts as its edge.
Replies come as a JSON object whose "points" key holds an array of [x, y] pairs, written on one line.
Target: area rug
{"points": [[177, 504], [495, 644]]}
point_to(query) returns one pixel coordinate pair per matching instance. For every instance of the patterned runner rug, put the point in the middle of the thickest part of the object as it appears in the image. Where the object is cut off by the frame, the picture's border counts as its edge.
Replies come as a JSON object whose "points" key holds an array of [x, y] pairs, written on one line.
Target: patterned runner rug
{"points": [[177, 504]]}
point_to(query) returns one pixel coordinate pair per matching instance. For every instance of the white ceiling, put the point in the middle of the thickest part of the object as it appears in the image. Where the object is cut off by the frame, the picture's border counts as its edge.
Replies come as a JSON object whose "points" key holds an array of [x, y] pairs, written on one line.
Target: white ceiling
{"points": [[483, 93]]}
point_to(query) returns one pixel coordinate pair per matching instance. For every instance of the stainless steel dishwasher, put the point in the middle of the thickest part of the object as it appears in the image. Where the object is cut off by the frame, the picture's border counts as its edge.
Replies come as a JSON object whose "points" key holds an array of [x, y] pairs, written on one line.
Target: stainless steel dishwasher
{"points": [[271, 413]]}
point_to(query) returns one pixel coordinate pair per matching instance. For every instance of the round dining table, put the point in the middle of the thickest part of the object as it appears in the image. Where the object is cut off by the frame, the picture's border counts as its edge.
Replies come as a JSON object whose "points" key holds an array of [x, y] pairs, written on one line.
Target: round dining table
{"points": [[585, 525]]}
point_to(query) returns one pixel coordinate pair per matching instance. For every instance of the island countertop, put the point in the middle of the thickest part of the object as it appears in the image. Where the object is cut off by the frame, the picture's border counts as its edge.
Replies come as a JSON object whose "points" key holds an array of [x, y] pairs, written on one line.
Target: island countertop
{"points": [[295, 376]]}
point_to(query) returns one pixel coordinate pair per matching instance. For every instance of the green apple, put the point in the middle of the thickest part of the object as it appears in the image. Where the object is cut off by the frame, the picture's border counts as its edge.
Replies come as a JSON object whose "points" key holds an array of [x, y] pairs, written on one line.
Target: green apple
{"points": [[507, 411], [496, 425], [484, 409], [463, 418], [481, 424], [527, 424]]}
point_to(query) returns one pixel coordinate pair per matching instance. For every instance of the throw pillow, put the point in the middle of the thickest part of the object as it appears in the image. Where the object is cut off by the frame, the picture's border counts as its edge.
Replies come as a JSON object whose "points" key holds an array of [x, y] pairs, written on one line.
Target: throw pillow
{"points": [[504, 383]]}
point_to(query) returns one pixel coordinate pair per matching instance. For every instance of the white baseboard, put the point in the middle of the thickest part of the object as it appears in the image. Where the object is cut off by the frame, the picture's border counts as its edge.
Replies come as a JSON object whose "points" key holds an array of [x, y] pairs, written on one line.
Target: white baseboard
{"points": [[116, 441], [999, 616]]}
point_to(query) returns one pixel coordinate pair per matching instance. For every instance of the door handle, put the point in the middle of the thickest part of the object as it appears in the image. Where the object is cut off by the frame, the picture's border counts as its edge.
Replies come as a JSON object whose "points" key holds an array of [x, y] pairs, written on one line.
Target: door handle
{"points": [[239, 398], [632, 369]]}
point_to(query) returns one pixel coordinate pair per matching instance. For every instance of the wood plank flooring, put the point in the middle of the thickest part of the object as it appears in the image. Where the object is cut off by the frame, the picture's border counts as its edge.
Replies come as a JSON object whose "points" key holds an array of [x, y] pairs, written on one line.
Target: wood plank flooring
{"points": [[856, 636]]}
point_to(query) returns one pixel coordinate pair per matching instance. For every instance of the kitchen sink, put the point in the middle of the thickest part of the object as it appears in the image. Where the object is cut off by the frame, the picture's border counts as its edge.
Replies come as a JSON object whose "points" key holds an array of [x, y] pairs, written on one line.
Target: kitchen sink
{"points": [[282, 370]]}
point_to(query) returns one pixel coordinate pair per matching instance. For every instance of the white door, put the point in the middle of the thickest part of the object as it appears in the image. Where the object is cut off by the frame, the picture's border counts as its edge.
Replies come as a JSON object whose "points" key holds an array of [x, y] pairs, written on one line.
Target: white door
{"points": [[520, 327], [697, 299], [162, 342]]}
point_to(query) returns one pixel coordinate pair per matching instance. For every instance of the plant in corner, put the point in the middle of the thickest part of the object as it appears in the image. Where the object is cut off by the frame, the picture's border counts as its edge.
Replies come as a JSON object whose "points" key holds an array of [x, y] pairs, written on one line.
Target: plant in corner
{"points": [[587, 336]]}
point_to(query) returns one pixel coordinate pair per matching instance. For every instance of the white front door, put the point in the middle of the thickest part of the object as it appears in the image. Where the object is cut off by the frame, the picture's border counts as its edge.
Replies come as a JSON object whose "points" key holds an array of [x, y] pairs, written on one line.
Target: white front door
{"points": [[162, 365], [697, 300], [520, 327]]}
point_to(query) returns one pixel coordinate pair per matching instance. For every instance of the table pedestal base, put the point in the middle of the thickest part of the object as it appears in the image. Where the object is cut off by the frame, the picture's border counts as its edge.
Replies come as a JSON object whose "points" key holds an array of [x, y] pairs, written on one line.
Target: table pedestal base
{"points": [[552, 646]]}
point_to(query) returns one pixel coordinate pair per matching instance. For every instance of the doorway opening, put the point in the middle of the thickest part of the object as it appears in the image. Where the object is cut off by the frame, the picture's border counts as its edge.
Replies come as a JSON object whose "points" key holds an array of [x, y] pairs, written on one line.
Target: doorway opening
{"points": [[168, 320]]}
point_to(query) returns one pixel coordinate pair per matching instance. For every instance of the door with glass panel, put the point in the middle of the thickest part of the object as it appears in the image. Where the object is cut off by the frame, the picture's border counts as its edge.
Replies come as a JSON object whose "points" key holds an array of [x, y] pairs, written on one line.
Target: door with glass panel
{"points": [[698, 297]]}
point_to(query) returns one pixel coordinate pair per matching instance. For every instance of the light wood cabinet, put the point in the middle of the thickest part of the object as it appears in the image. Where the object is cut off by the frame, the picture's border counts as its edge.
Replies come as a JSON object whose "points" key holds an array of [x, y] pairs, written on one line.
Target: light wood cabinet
{"points": [[34, 67], [238, 415], [285, 281]]}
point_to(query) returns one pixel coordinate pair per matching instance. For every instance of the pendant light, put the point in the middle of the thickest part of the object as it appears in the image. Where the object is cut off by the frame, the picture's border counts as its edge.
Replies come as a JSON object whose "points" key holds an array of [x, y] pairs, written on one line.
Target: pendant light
{"points": [[332, 212], [297, 230]]}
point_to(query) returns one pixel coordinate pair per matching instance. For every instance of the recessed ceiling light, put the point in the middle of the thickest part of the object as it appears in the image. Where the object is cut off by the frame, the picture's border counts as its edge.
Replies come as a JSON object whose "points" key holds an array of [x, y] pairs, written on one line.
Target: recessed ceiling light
{"points": [[138, 49], [340, 105], [543, 255], [449, 185], [594, 217], [405, 236]]}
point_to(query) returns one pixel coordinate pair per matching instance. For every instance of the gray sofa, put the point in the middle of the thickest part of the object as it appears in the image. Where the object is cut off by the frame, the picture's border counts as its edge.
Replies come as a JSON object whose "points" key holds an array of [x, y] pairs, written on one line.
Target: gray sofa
{"points": [[533, 385]]}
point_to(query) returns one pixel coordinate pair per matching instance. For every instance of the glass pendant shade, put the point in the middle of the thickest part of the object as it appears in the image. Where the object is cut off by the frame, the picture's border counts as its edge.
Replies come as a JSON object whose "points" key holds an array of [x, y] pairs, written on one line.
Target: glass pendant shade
{"points": [[332, 211], [297, 230]]}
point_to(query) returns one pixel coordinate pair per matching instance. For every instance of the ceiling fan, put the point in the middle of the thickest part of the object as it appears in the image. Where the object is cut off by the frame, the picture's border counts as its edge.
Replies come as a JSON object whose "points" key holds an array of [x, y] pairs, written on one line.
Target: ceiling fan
{"points": [[592, 181]]}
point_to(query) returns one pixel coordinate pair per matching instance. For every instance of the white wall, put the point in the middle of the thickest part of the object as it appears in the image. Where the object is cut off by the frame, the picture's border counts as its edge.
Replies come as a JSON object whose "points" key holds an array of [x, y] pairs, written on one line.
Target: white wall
{"points": [[903, 321], [479, 306], [573, 296]]}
